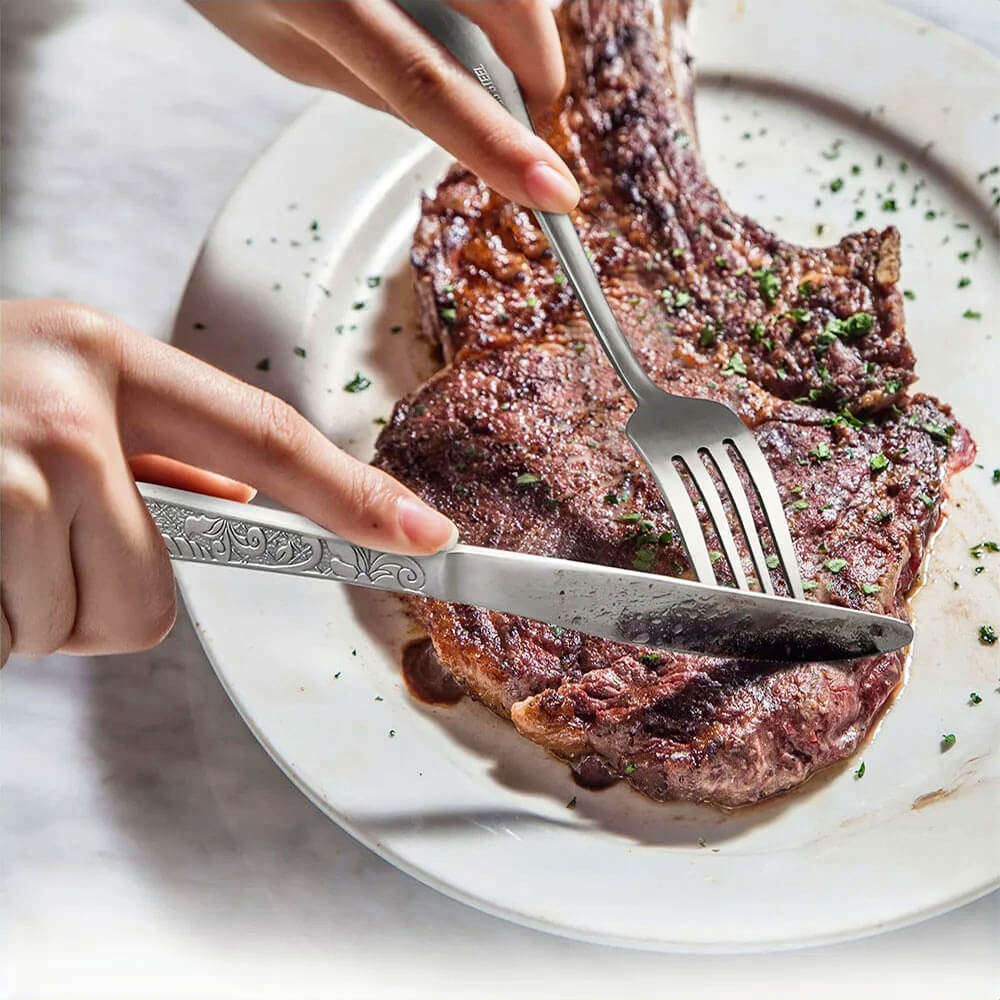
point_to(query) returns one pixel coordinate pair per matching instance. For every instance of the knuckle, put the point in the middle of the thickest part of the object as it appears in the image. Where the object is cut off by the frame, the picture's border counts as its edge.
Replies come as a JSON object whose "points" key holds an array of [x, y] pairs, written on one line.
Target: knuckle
{"points": [[283, 432], [367, 493], [69, 435], [159, 611], [23, 486], [422, 81]]}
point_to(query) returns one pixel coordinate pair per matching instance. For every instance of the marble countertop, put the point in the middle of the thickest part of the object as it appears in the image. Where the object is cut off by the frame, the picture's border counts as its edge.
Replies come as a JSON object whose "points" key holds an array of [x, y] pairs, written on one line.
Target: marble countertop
{"points": [[140, 858]]}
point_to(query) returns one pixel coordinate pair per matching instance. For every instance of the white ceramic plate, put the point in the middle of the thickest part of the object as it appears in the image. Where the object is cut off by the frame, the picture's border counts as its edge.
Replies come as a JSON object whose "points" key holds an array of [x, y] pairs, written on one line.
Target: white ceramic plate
{"points": [[454, 796]]}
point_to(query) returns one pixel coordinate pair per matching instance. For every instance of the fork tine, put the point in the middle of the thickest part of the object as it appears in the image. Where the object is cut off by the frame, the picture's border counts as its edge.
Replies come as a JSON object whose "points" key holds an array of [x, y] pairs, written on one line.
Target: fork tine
{"points": [[685, 517], [727, 472], [699, 473], [770, 502]]}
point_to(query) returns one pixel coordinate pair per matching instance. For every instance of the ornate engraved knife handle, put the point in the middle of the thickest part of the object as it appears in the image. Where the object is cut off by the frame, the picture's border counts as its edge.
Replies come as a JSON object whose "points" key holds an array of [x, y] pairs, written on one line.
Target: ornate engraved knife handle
{"points": [[197, 528]]}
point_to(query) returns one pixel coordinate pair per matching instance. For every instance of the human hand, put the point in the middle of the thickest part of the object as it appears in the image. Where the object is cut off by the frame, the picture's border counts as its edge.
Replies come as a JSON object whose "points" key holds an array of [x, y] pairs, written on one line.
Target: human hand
{"points": [[82, 398], [372, 51]]}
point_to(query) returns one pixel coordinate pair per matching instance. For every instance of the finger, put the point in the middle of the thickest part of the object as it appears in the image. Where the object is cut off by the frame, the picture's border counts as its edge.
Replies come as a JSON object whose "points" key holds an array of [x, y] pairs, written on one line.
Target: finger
{"points": [[37, 588], [126, 598], [165, 471], [525, 36], [256, 27], [389, 53], [174, 404]]}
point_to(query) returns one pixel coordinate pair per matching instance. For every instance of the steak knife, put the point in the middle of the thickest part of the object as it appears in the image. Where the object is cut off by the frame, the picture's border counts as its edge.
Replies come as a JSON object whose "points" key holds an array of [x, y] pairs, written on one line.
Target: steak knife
{"points": [[622, 605]]}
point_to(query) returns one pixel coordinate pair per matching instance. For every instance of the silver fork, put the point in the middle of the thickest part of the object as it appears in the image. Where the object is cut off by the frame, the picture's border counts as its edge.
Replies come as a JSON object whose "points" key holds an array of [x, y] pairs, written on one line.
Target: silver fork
{"points": [[666, 430]]}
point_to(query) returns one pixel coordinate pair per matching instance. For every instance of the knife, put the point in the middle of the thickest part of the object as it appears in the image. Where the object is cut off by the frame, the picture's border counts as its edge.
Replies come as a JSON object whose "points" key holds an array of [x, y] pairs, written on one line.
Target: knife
{"points": [[622, 605]]}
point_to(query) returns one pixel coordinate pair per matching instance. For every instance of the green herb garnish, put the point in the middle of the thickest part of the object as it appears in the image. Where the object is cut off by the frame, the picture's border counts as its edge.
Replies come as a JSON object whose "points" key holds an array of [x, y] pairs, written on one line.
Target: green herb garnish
{"points": [[373, 281], [528, 479], [768, 283], [987, 635], [358, 384], [735, 366], [860, 772], [947, 740], [871, 588], [835, 565], [878, 462], [821, 452], [975, 698], [972, 314]]}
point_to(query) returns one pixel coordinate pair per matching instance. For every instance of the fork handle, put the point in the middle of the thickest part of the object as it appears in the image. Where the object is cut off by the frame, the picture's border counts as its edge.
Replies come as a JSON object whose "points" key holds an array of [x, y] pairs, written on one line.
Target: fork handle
{"points": [[472, 49]]}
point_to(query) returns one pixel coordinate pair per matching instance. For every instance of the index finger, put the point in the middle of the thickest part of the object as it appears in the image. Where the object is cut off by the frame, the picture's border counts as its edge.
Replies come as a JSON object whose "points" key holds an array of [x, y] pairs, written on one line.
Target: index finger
{"points": [[170, 403], [426, 87]]}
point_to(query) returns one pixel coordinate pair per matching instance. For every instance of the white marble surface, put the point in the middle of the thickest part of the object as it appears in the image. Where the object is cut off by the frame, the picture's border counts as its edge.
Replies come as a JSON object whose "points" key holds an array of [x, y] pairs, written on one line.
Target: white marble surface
{"points": [[149, 846]]}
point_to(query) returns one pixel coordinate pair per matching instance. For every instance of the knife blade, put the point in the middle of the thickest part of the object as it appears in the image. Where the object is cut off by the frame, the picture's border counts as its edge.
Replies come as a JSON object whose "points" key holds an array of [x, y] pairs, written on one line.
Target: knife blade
{"points": [[622, 605]]}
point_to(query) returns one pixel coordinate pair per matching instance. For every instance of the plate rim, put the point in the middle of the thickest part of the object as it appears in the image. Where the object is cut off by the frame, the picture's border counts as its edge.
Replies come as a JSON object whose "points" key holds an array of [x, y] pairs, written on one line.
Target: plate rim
{"points": [[400, 861]]}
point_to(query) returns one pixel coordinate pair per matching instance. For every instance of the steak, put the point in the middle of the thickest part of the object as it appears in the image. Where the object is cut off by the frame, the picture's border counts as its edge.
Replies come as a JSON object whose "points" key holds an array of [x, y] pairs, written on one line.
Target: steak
{"points": [[520, 436]]}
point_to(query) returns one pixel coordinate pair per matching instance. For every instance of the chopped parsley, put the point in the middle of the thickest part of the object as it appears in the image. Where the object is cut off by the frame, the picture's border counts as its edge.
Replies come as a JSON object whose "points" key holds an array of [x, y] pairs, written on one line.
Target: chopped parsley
{"points": [[800, 505], [987, 635], [860, 772], [909, 293], [800, 315], [531, 302], [572, 803], [979, 548], [611, 498], [836, 184], [809, 584], [357, 305], [927, 501], [821, 452], [889, 205], [972, 314], [996, 475], [299, 352], [358, 384], [634, 516], [975, 698], [650, 659], [835, 565], [373, 281], [559, 278], [947, 740], [964, 282], [528, 479], [772, 562], [768, 283], [644, 559], [707, 336], [871, 588], [682, 298], [735, 366], [448, 315], [629, 768], [878, 462]]}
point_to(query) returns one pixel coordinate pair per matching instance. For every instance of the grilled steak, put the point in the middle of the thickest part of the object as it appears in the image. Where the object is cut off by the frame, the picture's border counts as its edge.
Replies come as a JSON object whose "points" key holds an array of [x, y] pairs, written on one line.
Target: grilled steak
{"points": [[520, 437]]}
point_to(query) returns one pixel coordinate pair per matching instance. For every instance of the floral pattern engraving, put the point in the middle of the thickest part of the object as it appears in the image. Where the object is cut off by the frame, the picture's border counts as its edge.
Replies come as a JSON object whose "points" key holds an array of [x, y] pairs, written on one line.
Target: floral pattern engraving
{"points": [[193, 535]]}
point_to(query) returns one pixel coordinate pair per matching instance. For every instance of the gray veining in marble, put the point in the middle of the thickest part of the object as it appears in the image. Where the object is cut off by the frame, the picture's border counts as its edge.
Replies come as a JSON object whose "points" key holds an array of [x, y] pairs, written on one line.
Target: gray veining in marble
{"points": [[149, 846]]}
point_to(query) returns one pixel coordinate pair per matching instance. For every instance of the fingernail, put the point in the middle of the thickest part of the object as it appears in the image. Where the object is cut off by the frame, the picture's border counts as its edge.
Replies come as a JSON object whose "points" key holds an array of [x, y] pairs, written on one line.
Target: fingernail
{"points": [[425, 527], [550, 189]]}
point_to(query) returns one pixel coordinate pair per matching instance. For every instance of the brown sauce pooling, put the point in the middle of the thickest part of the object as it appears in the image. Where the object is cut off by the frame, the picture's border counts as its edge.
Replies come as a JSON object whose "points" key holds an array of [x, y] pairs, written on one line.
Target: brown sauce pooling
{"points": [[426, 678]]}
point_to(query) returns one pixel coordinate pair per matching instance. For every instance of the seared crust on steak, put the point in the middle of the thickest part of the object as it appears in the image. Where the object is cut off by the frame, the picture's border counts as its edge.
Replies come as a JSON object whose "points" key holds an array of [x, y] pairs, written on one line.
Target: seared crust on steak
{"points": [[527, 391]]}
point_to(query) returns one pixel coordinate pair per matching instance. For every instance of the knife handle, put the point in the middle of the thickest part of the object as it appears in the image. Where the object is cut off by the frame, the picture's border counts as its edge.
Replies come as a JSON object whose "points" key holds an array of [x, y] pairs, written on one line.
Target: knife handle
{"points": [[197, 528]]}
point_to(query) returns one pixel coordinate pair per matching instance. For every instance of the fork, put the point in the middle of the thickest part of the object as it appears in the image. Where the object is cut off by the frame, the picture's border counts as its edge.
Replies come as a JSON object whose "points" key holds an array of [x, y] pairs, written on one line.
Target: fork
{"points": [[674, 435]]}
